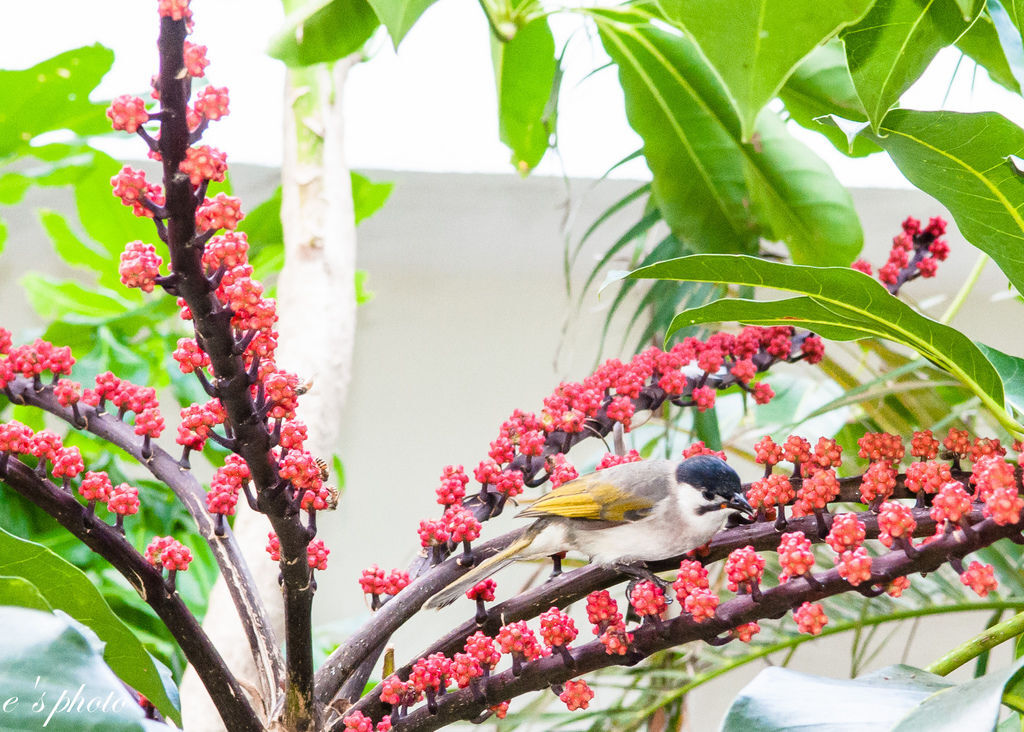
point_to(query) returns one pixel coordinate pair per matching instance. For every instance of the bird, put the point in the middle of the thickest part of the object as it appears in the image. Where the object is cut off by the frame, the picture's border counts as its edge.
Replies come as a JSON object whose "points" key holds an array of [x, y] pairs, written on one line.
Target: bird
{"points": [[622, 517]]}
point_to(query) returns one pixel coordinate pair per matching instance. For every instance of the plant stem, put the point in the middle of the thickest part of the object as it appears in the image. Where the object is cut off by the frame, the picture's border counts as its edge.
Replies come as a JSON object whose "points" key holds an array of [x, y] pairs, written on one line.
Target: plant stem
{"points": [[977, 645], [965, 289]]}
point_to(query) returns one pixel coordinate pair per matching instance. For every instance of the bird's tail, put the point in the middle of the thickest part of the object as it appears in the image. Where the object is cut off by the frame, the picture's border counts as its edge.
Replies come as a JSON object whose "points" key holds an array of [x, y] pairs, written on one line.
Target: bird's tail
{"points": [[481, 571]]}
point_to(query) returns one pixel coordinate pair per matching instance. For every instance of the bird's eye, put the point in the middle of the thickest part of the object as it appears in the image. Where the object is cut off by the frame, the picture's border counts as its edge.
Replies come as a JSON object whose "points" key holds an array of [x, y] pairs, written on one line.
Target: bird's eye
{"points": [[708, 495]]}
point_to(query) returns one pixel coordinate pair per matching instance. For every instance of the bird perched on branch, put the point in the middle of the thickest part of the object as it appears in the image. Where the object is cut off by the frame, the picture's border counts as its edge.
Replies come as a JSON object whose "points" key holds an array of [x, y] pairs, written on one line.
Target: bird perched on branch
{"points": [[623, 516]]}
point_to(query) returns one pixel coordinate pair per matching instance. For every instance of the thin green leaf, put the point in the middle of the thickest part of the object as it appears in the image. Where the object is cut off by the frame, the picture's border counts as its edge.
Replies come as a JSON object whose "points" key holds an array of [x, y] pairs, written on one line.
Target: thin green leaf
{"points": [[892, 46], [762, 43], [65, 587], [641, 227], [607, 214]]}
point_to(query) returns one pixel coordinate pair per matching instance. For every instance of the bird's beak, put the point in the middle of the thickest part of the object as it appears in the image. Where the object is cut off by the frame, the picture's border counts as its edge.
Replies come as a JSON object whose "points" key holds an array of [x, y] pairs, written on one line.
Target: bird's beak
{"points": [[739, 503]]}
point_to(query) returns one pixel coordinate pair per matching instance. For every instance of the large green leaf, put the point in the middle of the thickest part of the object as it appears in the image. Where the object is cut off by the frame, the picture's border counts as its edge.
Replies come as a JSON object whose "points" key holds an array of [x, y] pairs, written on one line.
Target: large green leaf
{"points": [[1011, 371], [982, 43], [705, 178], [961, 160], [875, 701], [399, 16], [1008, 31], [762, 42], [71, 248], [324, 31], [53, 677], [67, 588], [821, 85], [53, 95], [525, 69], [837, 297], [19, 592], [54, 298], [974, 704], [892, 46]]}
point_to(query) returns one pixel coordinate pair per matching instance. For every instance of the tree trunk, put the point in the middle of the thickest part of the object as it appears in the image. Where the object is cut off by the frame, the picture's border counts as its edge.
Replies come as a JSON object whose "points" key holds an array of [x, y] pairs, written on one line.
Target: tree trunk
{"points": [[317, 311]]}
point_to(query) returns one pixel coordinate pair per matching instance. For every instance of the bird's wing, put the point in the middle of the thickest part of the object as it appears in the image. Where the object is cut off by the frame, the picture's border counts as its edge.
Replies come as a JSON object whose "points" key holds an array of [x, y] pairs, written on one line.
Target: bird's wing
{"points": [[591, 497]]}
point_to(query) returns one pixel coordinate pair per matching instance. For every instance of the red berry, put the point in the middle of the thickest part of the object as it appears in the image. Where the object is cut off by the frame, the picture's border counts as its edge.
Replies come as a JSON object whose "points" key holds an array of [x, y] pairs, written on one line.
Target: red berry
{"points": [[810, 618], [980, 578], [576, 695], [744, 566]]}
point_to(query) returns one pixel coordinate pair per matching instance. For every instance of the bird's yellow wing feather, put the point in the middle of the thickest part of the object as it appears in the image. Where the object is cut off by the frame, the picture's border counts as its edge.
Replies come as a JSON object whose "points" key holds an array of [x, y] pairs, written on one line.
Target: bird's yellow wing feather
{"points": [[590, 497]]}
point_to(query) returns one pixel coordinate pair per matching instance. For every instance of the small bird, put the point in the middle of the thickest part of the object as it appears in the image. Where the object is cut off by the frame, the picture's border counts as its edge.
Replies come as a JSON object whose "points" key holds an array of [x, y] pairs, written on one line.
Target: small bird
{"points": [[623, 516]]}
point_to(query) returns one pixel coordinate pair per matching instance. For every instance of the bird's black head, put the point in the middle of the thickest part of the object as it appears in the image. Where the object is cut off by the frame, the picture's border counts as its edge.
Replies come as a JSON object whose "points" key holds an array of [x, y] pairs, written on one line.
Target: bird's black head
{"points": [[717, 482]]}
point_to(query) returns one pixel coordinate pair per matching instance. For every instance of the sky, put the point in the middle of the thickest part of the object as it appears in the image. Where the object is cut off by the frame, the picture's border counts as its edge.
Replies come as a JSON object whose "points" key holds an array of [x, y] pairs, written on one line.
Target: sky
{"points": [[430, 106]]}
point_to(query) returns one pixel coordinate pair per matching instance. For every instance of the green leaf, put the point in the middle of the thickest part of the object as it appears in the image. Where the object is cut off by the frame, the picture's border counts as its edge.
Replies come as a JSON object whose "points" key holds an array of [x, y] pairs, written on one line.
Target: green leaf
{"points": [[399, 16], [821, 85], [803, 312], [1008, 32], [875, 701], [368, 197], [762, 42], [103, 216], [67, 588], [53, 298], [52, 670], [981, 42], [789, 177], [70, 247], [704, 177], [971, 705], [53, 95], [363, 293], [19, 592], [960, 159], [1011, 371], [13, 187], [525, 69], [894, 43], [843, 298], [323, 31]]}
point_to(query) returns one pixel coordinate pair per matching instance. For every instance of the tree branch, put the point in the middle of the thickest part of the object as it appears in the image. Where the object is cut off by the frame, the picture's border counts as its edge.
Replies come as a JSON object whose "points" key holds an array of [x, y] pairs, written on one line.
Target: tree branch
{"points": [[232, 702], [252, 613]]}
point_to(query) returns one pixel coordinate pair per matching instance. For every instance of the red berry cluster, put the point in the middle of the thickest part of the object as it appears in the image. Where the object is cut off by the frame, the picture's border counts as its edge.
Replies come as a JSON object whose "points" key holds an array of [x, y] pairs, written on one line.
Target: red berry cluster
{"points": [[915, 252]]}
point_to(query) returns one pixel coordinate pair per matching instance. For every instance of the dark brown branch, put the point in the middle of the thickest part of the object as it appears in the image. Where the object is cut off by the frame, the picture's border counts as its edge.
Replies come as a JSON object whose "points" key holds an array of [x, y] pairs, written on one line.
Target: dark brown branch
{"points": [[648, 639], [252, 440], [252, 613], [231, 701]]}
